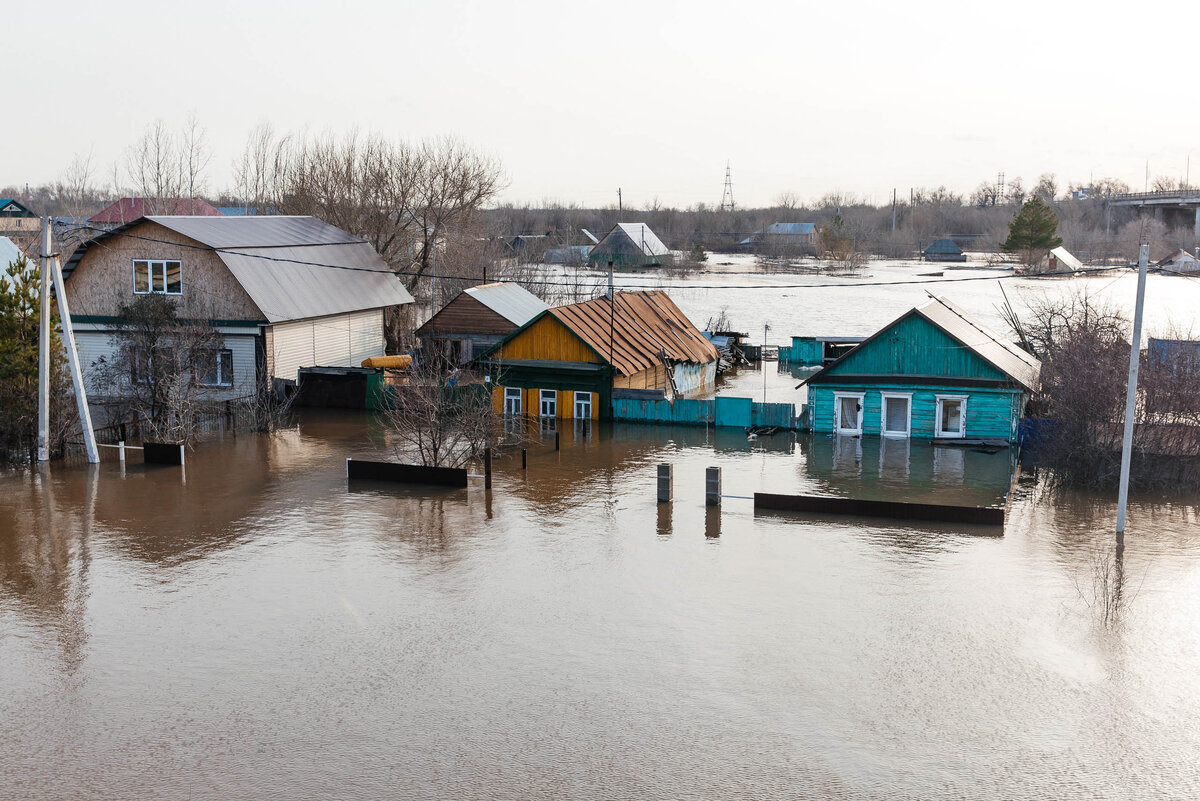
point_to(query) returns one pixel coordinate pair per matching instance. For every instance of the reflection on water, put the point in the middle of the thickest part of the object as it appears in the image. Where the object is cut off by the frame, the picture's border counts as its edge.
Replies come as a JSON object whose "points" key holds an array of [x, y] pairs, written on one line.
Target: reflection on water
{"points": [[268, 630]]}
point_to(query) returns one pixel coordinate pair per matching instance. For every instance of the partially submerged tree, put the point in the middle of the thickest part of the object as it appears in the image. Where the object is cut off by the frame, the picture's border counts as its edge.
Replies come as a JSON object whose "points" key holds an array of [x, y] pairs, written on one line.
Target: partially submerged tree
{"points": [[435, 422], [1033, 232]]}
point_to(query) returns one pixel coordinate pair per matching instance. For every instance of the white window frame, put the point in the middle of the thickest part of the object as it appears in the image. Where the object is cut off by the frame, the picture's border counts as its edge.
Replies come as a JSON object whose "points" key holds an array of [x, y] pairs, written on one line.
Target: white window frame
{"points": [[837, 417], [153, 266], [586, 399], [543, 396], [883, 429], [519, 397], [222, 379], [962, 417]]}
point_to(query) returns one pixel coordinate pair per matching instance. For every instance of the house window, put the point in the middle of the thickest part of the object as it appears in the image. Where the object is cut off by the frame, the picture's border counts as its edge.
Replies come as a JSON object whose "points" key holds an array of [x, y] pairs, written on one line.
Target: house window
{"points": [[157, 277], [216, 370], [951, 420], [848, 412], [583, 405], [895, 418], [144, 365], [549, 403], [512, 401]]}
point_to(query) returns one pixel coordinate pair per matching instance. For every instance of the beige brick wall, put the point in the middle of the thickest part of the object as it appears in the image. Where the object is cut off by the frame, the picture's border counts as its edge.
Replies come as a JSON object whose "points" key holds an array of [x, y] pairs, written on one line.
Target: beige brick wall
{"points": [[103, 279]]}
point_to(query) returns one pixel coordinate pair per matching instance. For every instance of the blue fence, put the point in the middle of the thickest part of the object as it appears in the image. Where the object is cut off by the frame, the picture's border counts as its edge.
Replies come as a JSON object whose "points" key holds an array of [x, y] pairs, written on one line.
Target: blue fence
{"points": [[722, 411]]}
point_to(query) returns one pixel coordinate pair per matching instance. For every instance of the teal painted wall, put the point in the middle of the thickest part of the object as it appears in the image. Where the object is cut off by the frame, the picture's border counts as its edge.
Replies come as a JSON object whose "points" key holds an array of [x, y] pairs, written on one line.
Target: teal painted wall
{"points": [[914, 346], [991, 413], [806, 351]]}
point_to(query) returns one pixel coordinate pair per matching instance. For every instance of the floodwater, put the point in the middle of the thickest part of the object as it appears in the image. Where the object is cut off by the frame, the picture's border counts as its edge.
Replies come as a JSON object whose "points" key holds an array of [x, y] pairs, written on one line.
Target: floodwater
{"points": [[254, 626]]}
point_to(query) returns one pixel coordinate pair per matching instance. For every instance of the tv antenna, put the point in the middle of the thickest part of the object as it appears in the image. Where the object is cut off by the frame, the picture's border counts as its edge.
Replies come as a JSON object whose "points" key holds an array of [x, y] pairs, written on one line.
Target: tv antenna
{"points": [[727, 195]]}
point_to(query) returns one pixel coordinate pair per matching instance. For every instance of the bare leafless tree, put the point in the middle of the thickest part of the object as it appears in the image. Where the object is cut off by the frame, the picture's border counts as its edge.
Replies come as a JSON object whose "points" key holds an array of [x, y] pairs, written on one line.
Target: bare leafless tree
{"points": [[434, 423]]}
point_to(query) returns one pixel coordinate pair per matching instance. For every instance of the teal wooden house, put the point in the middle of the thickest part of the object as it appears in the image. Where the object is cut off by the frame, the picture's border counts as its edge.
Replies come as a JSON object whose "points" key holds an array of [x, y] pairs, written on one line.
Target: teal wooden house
{"points": [[934, 372]]}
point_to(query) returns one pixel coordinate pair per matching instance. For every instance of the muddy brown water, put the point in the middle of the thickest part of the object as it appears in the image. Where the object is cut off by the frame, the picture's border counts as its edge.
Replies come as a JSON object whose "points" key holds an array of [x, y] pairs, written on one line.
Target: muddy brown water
{"points": [[253, 626]]}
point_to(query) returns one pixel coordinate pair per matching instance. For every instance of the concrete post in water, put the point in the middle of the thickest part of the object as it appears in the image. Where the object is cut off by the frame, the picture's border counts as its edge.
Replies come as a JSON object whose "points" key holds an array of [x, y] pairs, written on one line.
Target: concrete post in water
{"points": [[712, 522], [524, 459], [557, 441], [666, 484], [1131, 389], [121, 451], [487, 468], [712, 486]]}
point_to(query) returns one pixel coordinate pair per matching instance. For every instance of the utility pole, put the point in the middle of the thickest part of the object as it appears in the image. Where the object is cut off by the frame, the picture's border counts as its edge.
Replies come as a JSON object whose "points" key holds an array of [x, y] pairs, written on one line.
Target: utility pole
{"points": [[1131, 390], [81, 401], [620, 205], [43, 441], [893, 210], [762, 360]]}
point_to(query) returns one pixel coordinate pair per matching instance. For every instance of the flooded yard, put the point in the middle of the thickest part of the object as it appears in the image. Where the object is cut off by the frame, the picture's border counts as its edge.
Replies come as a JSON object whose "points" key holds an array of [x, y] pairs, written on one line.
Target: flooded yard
{"points": [[253, 626], [256, 626]]}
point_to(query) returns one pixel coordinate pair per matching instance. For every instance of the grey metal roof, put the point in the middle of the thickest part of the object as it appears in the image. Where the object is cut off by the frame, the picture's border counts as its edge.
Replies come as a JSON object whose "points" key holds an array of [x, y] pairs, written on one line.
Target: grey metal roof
{"points": [[789, 229], [1022, 367], [293, 268], [256, 232], [641, 236], [511, 301]]}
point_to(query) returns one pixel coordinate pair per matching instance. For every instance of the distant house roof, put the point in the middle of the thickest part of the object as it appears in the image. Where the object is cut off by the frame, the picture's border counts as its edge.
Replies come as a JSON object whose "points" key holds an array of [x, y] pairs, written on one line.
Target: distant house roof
{"points": [[1066, 259], [1179, 258], [639, 235], [945, 246], [1021, 367], [511, 301], [789, 229], [9, 253], [636, 331], [293, 268], [128, 209], [245, 211], [10, 207]]}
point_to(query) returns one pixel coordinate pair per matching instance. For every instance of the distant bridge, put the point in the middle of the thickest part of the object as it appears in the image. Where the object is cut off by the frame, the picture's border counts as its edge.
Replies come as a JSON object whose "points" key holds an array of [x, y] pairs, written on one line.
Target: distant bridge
{"points": [[1174, 205]]}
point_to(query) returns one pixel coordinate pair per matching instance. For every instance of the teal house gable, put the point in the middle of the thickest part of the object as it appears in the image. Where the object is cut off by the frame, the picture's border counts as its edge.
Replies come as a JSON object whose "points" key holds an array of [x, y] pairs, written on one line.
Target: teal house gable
{"points": [[933, 373]]}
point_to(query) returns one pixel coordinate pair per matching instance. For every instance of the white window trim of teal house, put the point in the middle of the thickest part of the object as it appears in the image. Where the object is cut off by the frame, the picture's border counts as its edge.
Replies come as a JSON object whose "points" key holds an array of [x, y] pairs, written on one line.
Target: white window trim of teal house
{"points": [[156, 276], [962, 417], [512, 401], [883, 429], [583, 399], [837, 402], [547, 396]]}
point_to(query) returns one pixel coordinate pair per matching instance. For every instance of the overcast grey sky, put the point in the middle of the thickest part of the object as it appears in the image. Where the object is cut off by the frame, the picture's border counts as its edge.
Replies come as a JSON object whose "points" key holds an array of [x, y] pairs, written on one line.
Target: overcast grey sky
{"points": [[654, 97]]}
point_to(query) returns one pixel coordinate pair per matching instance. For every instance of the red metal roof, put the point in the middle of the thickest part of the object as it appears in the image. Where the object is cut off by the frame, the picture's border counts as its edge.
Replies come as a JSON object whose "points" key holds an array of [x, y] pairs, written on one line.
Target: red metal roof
{"points": [[645, 327], [128, 209]]}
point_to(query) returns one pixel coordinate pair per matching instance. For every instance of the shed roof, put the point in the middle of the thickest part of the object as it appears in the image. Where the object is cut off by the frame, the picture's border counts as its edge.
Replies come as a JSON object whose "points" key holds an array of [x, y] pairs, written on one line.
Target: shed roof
{"points": [[128, 209], [985, 343], [293, 268], [640, 235], [636, 330], [1066, 258], [944, 246], [1180, 256], [511, 301]]}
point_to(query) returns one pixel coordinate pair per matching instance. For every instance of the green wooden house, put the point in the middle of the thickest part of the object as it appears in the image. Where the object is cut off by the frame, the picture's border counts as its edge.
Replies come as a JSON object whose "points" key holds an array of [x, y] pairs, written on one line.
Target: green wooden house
{"points": [[934, 372]]}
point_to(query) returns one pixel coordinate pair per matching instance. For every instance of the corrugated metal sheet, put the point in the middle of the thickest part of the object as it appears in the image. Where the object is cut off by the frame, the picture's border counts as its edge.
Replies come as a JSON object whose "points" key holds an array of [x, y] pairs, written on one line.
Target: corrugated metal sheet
{"points": [[257, 232], [292, 267], [637, 235], [1016, 363], [511, 301], [9, 252], [636, 331], [789, 229], [1066, 259], [292, 291]]}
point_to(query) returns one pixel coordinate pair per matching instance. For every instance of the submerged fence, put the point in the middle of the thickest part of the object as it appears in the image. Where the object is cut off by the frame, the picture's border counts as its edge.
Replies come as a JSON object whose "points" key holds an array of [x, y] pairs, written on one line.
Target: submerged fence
{"points": [[721, 411]]}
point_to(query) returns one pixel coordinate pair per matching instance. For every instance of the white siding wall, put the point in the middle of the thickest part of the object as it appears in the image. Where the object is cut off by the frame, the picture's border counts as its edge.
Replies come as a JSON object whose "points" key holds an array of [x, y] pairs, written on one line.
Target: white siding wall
{"points": [[95, 345], [342, 340]]}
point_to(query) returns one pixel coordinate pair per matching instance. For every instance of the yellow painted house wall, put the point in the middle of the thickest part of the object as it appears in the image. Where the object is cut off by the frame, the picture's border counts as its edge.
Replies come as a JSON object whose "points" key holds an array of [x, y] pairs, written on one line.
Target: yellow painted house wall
{"points": [[550, 340], [531, 403]]}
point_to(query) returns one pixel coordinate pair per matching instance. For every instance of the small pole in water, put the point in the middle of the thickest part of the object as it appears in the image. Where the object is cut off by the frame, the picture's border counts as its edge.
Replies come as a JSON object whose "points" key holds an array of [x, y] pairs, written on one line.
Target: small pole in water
{"points": [[1131, 390], [666, 483], [557, 442], [712, 486], [524, 459], [121, 450], [487, 468]]}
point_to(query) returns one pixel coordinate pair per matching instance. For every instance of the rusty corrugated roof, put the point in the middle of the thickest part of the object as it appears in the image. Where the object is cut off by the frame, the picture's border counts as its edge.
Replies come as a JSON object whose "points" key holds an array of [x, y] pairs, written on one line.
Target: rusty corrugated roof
{"points": [[645, 327]]}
